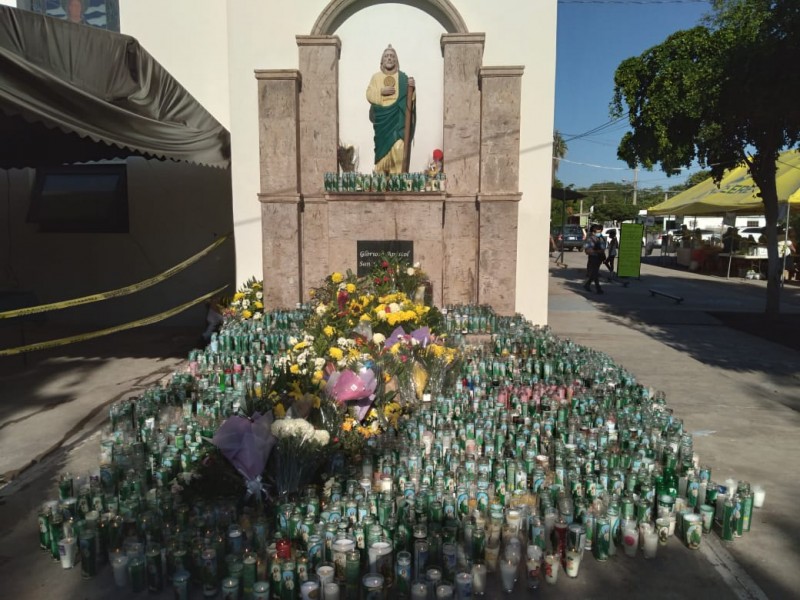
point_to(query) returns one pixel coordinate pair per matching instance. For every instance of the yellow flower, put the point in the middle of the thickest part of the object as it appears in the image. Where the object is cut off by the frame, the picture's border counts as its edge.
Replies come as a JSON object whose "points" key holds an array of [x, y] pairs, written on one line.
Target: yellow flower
{"points": [[353, 353], [337, 277], [392, 413], [347, 425], [296, 392], [279, 411], [317, 377], [365, 317], [300, 345], [395, 349], [328, 331], [258, 305], [247, 314], [295, 369], [335, 353], [257, 285], [316, 401], [351, 288], [238, 296]]}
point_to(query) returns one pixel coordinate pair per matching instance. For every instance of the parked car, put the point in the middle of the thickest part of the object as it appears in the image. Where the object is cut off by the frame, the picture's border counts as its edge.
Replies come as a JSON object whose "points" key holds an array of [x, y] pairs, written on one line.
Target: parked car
{"points": [[573, 237]]}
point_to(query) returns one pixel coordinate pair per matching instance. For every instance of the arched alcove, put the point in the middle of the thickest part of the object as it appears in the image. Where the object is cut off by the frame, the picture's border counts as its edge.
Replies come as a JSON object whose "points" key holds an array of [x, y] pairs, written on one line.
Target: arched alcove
{"points": [[465, 235], [338, 11]]}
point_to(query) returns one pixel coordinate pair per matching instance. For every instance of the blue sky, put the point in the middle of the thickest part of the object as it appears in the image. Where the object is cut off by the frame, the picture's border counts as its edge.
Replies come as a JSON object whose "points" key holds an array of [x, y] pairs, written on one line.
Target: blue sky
{"points": [[594, 37]]}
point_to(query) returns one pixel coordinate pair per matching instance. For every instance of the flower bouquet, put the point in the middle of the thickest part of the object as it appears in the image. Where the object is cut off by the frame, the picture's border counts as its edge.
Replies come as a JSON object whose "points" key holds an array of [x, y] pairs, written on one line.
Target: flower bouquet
{"points": [[300, 450], [247, 303]]}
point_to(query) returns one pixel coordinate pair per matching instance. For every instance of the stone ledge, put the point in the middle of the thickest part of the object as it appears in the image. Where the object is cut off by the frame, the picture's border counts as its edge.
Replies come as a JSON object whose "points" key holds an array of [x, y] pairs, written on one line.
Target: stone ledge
{"points": [[462, 38], [500, 197], [506, 71], [279, 198], [278, 74]]}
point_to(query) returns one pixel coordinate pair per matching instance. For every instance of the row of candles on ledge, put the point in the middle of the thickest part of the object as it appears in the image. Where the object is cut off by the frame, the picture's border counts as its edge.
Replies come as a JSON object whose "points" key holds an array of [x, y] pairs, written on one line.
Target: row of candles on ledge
{"points": [[381, 183]]}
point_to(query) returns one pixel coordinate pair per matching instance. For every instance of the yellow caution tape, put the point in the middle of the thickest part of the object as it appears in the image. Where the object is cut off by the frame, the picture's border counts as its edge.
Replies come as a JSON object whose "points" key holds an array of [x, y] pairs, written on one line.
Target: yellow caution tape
{"points": [[136, 287], [95, 334]]}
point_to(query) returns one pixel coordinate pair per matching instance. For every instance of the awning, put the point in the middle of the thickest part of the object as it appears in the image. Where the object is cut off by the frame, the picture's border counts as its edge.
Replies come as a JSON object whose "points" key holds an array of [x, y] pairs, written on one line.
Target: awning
{"points": [[565, 194], [736, 192], [72, 93]]}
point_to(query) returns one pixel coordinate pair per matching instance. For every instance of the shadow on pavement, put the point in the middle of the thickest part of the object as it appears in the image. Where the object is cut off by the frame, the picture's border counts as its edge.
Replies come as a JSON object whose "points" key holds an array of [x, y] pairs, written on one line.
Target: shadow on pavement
{"points": [[700, 324]]}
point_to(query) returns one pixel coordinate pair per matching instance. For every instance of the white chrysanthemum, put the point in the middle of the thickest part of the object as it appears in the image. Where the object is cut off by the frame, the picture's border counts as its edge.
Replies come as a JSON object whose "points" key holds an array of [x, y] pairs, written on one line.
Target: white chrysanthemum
{"points": [[293, 341], [410, 271], [395, 307], [417, 265], [259, 295], [341, 342], [319, 363], [302, 357], [381, 314], [257, 316], [245, 303], [322, 437], [321, 309], [378, 338]]}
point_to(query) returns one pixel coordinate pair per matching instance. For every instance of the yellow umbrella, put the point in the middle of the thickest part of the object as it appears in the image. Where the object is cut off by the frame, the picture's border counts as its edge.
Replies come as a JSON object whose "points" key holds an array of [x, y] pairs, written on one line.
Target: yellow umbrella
{"points": [[736, 192]]}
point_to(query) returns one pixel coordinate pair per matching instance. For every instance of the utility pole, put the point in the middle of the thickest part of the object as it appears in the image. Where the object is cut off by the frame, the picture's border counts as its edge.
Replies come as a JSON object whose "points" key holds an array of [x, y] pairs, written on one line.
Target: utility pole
{"points": [[635, 182]]}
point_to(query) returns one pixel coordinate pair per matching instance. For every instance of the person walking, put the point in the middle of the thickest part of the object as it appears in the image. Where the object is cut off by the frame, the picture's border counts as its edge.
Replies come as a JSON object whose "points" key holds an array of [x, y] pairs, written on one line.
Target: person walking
{"points": [[613, 250], [595, 250]]}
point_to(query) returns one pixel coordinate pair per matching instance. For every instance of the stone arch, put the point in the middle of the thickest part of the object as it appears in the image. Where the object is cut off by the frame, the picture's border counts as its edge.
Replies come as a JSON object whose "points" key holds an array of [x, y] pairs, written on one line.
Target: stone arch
{"points": [[338, 11]]}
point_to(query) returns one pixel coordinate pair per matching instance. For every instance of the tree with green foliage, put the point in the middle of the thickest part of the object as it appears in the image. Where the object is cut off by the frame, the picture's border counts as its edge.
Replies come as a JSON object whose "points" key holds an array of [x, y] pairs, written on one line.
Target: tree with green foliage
{"points": [[559, 151], [723, 93]]}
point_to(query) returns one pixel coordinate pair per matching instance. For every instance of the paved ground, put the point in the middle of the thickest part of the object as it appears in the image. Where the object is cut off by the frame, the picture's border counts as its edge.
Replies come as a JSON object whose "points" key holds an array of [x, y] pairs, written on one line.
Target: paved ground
{"points": [[737, 392]]}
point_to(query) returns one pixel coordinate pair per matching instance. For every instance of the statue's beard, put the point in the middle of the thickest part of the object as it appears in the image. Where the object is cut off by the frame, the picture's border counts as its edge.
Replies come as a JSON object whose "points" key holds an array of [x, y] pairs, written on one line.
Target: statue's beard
{"points": [[391, 71]]}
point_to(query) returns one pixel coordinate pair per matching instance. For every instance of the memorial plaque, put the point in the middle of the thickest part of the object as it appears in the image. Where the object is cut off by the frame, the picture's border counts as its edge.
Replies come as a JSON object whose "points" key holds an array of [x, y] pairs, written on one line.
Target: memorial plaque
{"points": [[370, 253]]}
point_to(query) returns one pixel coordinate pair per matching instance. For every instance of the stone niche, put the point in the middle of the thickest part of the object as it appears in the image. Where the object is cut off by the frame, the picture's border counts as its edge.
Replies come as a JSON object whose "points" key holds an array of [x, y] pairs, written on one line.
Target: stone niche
{"points": [[465, 238]]}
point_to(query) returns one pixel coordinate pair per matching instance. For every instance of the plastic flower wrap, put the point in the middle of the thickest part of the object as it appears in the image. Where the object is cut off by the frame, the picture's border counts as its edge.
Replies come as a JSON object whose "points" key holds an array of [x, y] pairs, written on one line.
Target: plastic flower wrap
{"points": [[358, 389], [246, 443]]}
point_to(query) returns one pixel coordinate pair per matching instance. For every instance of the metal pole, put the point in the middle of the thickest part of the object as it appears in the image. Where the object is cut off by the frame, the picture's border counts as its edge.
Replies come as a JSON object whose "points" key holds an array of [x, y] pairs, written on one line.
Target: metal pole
{"points": [[785, 240], [560, 259]]}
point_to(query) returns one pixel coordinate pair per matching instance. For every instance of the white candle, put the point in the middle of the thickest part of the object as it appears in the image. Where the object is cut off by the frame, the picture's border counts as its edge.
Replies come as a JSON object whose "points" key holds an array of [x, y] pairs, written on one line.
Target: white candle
{"points": [[479, 579], [67, 550], [573, 563], [629, 541], [508, 575], [758, 496], [309, 590], [331, 591], [650, 544], [325, 574], [120, 565], [552, 562], [419, 591]]}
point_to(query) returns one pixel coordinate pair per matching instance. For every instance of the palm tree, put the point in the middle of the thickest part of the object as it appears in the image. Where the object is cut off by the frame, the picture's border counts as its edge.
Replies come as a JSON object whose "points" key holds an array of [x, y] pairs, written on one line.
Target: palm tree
{"points": [[559, 150]]}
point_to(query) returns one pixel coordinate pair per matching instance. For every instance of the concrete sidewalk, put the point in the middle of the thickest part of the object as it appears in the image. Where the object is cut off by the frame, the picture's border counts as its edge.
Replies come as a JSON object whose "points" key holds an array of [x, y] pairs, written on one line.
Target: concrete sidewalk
{"points": [[737, 393]]}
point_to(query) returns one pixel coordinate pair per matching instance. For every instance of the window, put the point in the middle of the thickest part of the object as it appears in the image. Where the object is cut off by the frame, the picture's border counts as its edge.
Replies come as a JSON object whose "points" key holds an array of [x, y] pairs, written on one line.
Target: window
{"points": [[753, 223], [80, 199], [97, 13]]}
